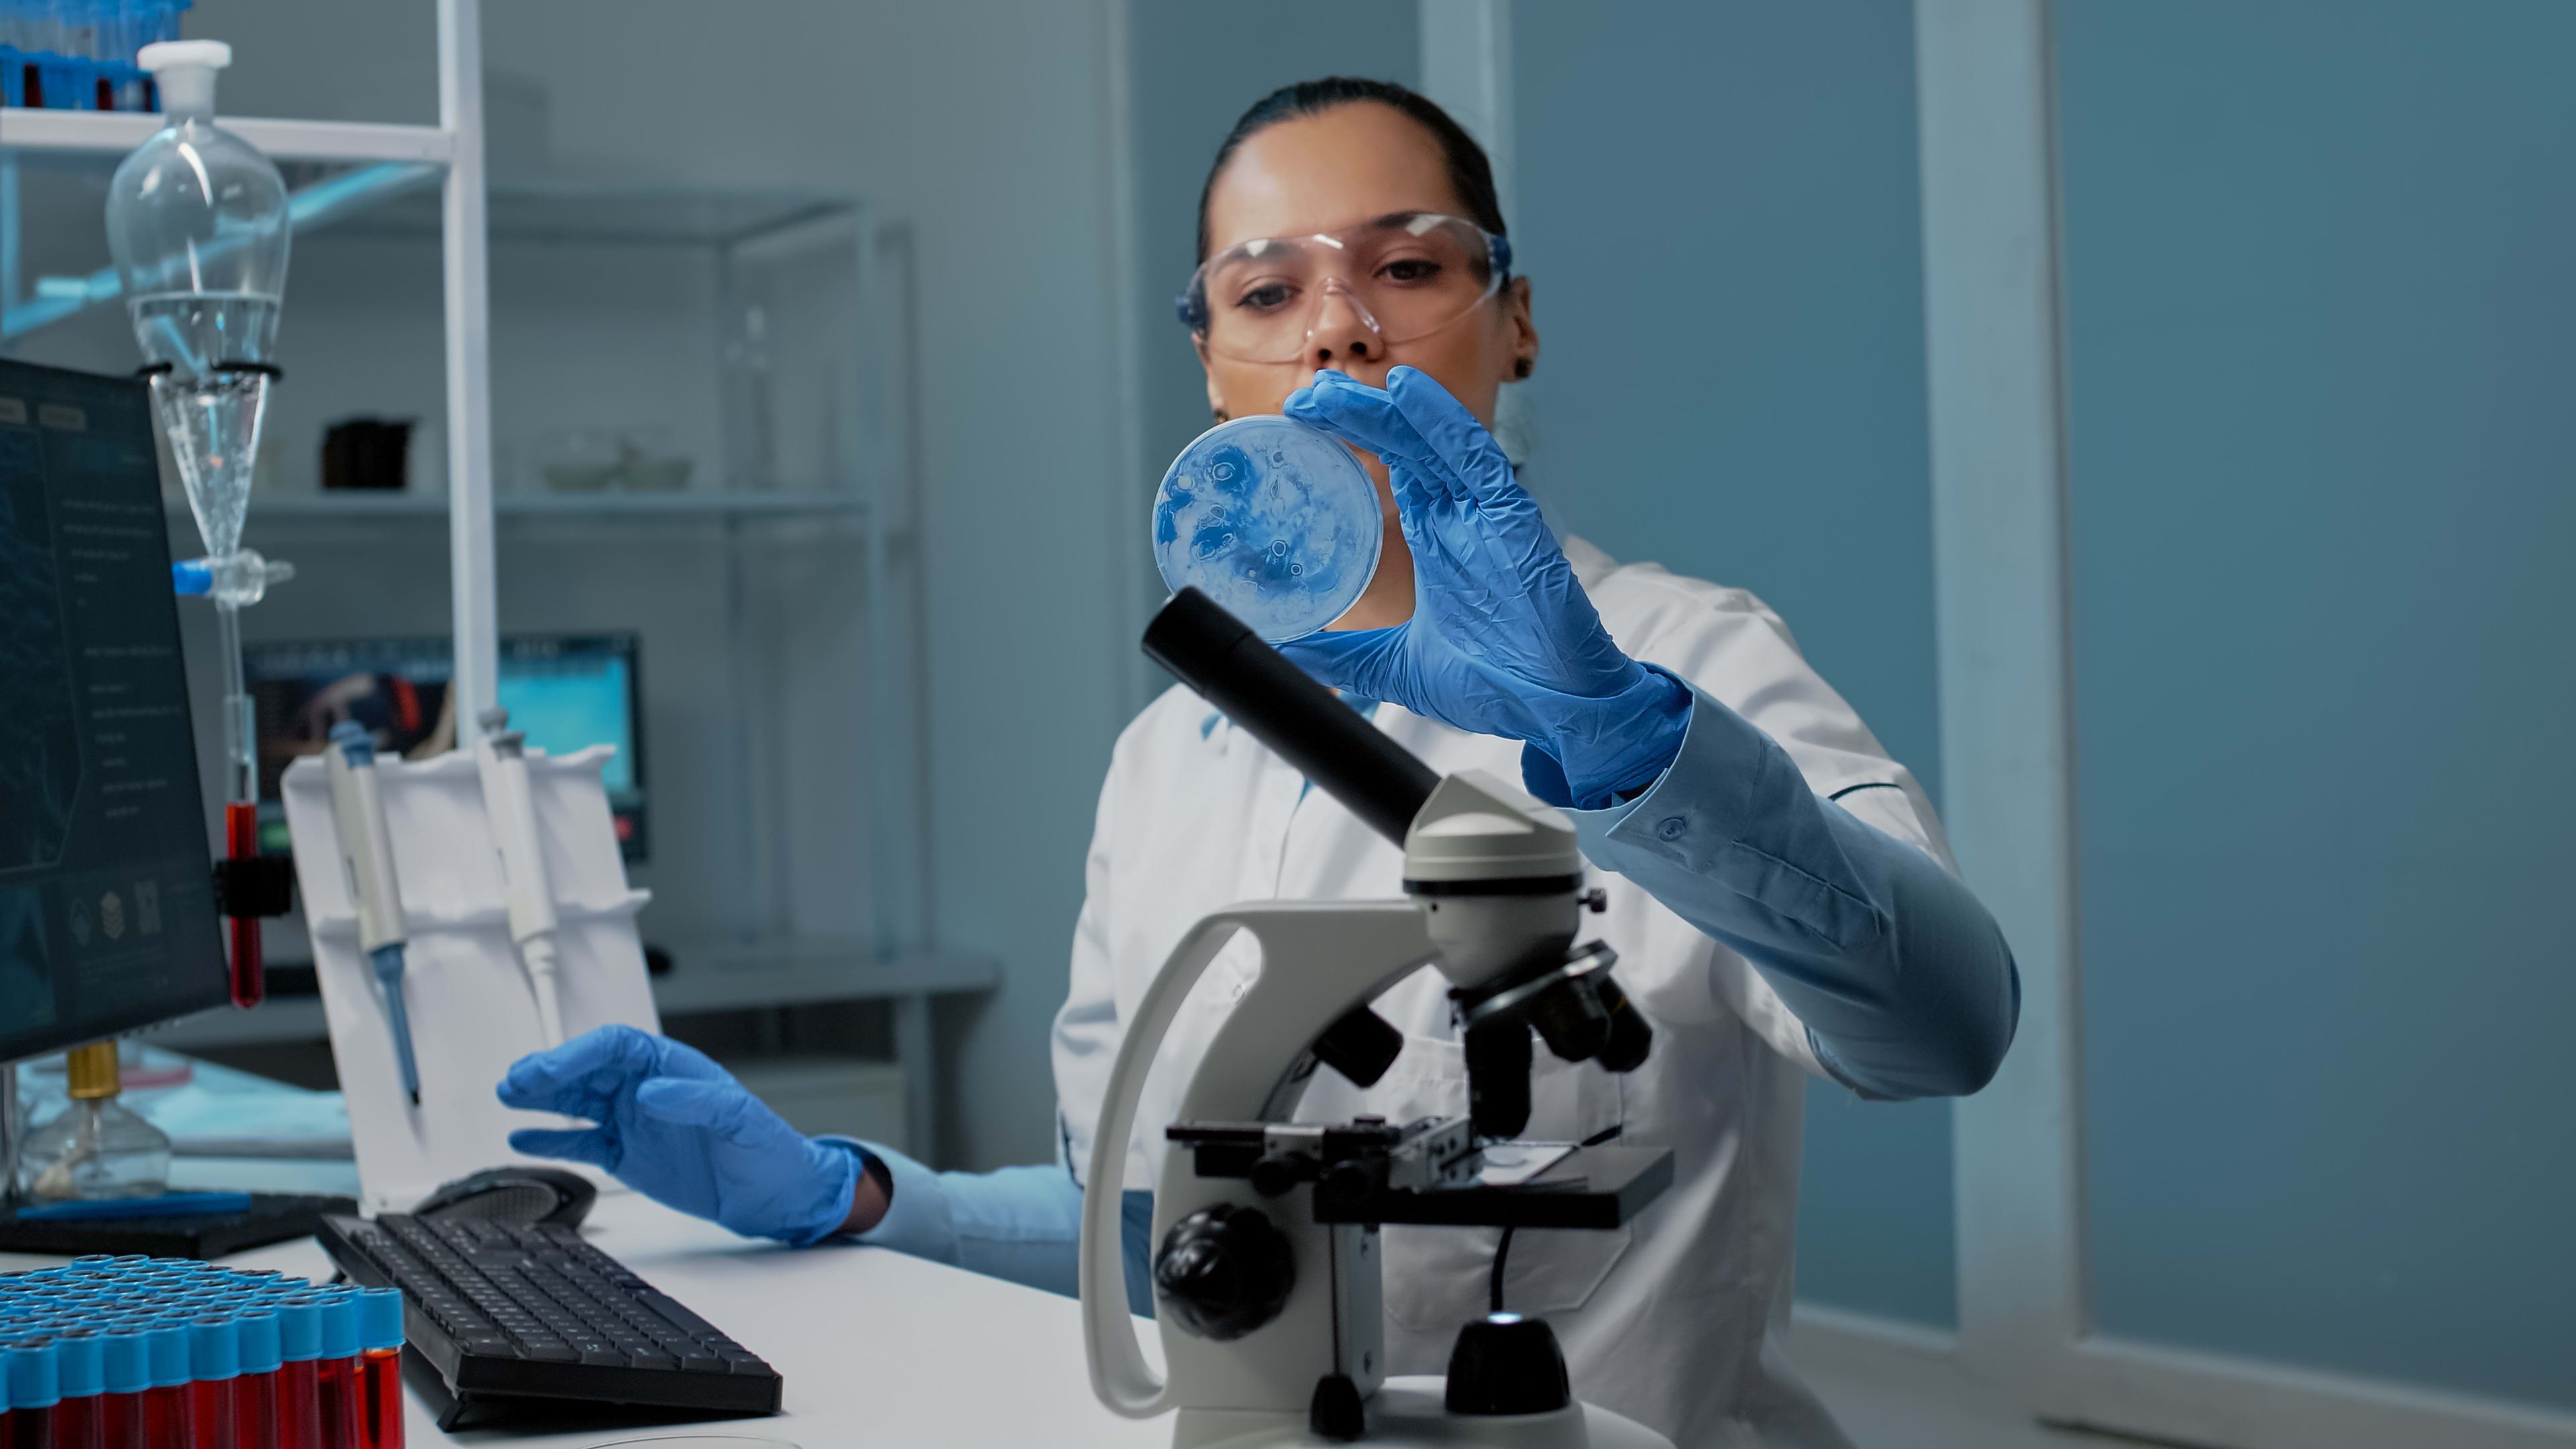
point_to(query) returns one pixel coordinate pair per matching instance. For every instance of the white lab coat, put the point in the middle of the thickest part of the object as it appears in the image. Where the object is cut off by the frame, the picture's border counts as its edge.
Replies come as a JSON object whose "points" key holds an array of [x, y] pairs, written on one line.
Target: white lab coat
{"points": [[1678, 1320]]}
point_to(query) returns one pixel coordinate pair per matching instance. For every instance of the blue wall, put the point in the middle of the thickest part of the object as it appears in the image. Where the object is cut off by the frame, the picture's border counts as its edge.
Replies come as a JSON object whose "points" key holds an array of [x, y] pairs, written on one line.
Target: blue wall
{"points": [[1718, 209], [2324, 419]]}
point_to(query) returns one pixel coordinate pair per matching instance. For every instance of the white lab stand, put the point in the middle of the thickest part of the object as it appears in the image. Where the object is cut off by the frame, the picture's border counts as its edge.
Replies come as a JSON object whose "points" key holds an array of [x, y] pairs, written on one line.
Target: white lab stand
{"points": [[470, 1003]]}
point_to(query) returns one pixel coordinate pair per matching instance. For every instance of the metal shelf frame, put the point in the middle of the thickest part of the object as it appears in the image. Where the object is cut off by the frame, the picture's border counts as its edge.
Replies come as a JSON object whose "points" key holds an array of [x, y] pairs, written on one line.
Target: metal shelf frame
{"points": [[453, 150]]}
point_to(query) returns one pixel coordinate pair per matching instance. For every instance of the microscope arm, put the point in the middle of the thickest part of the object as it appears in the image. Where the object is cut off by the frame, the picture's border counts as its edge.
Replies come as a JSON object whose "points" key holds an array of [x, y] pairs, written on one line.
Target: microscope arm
{"points": [[1345, 954]]}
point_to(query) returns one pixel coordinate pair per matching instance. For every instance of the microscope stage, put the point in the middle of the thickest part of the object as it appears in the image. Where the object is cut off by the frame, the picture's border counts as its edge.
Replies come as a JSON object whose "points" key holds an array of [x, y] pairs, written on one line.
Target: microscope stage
{"points": [[1590, 1187]]}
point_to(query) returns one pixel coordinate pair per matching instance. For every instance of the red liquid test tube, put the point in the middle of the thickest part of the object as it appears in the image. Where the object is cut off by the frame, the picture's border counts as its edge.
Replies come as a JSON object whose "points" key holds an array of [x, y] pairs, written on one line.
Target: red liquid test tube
{"points": [[299, 1402], [33, 1393], [335, 1372], [214, 1364], [79, 1421], [241, 842], [255, 1392], [125, 1373], [380, 1334], [167, 1423]]}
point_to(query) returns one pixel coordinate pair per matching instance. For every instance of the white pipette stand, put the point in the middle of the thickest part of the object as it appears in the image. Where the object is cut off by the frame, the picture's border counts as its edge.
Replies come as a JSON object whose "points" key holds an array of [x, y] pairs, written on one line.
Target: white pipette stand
{"points": [[470, 995]]}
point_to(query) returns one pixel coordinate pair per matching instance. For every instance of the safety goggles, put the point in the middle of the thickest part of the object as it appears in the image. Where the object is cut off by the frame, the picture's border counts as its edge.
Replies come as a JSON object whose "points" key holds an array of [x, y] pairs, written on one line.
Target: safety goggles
{"points": [[1403, 277]]}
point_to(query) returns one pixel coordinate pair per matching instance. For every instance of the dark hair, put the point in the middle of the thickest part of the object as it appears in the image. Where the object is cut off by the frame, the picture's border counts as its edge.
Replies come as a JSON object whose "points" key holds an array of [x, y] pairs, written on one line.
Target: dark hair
{"points": [[1470, 174]]}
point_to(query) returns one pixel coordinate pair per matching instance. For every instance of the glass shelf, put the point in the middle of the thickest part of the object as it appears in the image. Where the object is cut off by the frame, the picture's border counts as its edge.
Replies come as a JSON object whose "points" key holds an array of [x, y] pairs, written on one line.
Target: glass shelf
{"points": [[612, 214], [315, 204], [787, 503]]}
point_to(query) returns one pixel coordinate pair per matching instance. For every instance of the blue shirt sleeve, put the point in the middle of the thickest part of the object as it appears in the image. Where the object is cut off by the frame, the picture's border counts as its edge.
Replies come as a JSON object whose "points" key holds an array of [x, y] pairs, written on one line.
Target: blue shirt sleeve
{"points": [[1021, 1224], [1903, 980]]}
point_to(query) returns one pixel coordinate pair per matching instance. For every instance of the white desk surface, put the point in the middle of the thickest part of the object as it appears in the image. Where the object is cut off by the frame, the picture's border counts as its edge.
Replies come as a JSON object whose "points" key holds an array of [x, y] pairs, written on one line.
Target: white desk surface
{"points": [[876, 1348]]}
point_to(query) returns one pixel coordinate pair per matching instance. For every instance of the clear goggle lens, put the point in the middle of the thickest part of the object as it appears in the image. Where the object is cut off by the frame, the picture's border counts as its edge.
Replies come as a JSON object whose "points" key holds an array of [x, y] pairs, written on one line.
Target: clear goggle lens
{"points": [[1402, 277]]}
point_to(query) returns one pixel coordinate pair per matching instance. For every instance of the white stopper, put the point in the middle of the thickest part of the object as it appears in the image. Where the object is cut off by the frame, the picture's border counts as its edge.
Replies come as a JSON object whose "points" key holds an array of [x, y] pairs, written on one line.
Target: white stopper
{"points": [[184, 70]]}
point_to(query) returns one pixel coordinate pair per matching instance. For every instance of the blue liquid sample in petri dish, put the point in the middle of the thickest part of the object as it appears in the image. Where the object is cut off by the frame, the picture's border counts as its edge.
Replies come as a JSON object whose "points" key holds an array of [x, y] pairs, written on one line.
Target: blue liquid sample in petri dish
{"points": [[1274, 520]]}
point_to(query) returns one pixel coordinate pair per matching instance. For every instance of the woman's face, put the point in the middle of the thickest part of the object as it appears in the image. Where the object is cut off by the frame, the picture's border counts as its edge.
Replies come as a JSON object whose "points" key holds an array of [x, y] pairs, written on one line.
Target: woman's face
{"points": [[1314, 174]]}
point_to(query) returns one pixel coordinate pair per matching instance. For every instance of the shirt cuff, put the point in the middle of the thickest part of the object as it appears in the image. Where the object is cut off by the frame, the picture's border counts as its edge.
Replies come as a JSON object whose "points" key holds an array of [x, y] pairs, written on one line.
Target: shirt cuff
{"points": [[1709, 750], [917, 1219], [1727, 812]]}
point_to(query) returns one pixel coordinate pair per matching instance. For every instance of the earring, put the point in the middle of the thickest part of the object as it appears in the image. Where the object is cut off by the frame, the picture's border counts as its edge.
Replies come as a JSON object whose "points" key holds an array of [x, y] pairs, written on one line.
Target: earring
{"points": [[1219, 413], [1521, 369]]}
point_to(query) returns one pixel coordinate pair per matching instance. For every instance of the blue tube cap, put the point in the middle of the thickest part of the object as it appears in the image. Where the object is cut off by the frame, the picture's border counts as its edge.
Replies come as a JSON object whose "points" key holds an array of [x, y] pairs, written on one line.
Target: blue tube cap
{"points": [[299, 1328], [80, 1363], [34, 1376], [214, 1347], [261, 1350], [380, 1318], [339, 1326], [125, 1365], [167, 1342]]}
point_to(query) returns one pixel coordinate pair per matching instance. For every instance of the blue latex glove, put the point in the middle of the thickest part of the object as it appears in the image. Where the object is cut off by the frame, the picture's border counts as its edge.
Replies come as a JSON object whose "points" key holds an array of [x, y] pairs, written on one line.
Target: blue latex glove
{"points": [[1503, 640], [679, 1129]]}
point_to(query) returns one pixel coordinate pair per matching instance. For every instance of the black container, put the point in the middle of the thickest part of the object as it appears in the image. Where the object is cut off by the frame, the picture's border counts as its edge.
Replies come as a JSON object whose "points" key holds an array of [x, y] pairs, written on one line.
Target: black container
{"points": [[367, 453]]}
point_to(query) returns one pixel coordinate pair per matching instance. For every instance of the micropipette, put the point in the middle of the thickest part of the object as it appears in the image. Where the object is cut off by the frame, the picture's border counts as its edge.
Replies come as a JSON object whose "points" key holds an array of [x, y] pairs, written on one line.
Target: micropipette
{"points": [[367, 863], [501, 756]]}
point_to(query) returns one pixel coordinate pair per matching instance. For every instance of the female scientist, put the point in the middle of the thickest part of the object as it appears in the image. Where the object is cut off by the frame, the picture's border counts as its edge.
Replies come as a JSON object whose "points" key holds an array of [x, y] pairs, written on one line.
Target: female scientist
{"points": [[1778, 888]]}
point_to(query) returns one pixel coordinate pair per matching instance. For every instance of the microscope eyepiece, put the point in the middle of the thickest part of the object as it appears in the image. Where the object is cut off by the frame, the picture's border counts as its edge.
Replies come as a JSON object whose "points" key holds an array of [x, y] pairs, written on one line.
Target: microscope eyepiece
{"points": [[1304, 723]]}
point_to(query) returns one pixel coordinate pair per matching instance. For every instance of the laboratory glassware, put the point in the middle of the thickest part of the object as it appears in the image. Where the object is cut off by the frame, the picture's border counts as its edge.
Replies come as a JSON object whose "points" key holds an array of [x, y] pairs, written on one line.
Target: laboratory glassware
{"points": [[197, 223], [97, 1147], [1274, 520]]}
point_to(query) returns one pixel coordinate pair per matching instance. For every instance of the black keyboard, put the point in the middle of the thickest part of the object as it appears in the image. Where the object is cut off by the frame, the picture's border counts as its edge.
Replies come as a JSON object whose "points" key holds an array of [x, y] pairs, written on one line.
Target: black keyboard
{"points": [[514, 1313]]}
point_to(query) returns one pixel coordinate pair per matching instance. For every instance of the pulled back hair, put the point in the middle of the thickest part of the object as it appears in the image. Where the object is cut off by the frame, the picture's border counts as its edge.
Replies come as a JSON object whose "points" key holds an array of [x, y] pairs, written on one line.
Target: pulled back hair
{"points": [[1470, 174]]}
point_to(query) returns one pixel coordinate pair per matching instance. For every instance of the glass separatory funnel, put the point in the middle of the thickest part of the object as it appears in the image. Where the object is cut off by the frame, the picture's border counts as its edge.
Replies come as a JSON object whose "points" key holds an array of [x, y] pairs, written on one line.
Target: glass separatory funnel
{"points": [[1274, 520], [197, 222]]}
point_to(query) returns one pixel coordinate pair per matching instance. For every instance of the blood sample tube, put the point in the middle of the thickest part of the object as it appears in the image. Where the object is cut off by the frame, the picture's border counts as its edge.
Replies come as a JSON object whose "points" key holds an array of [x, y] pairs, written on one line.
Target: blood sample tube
{"points": [[255, 1392], [380, 1334], [78, 1367], [8, 1419], [214, 1369], [33, 1392], [335, 1370], [299, 1405], [125, 1371], [166, 1418]]}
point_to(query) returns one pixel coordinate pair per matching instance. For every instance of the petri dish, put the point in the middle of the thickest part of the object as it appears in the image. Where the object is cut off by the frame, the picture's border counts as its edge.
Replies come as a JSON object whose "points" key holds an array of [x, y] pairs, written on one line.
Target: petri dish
{"points": [[1274, 520]]}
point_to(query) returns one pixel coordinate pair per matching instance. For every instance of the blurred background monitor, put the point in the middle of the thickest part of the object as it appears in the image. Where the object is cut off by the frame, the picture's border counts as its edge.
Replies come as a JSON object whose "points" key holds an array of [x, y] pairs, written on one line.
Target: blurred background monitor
{"points": [[567, 691]]}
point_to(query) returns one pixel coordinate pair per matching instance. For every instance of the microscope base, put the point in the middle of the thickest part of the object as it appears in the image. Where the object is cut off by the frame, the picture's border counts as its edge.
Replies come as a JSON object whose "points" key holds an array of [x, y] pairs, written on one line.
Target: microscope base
{"points": [[1408, 1414]]}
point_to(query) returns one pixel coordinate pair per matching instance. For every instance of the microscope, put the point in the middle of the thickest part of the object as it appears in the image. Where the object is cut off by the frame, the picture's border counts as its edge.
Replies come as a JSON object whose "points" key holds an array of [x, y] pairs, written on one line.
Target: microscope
{"points": [[1266, 1265]]}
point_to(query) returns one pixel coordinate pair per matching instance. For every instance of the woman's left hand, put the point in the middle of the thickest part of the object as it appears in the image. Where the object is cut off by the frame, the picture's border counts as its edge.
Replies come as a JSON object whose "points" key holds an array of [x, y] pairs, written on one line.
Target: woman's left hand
{"points": [[1503, 640]]}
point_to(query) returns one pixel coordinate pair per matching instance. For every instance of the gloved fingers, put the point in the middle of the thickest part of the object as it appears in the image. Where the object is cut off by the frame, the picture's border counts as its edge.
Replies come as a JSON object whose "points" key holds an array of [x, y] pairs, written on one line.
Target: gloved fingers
{"points": [[584, 1076], [725, 1108], [593, 1145], [679, 1059], [1348, 659], [1451, 432], [1367, 417]]}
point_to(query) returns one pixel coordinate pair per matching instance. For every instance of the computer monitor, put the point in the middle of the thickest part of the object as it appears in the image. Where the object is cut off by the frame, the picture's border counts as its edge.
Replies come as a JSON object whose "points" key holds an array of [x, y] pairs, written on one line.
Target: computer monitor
{"points": [[567, 691], [107, 909]]}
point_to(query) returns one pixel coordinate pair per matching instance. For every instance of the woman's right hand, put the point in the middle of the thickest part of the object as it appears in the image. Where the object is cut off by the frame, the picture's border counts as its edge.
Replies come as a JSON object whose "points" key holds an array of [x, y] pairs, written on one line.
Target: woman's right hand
{"points": [[679, 1129]]}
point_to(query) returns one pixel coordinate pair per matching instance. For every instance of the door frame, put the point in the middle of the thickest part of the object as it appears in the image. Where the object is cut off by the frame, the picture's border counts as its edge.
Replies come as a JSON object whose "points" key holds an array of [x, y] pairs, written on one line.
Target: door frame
{"points": [[1993, 249]]}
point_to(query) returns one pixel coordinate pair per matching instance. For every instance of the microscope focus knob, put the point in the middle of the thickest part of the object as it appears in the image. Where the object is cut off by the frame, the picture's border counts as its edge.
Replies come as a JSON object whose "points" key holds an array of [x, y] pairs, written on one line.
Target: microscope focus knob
{"points": [[1224, 1271]]}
